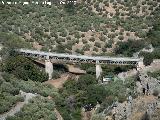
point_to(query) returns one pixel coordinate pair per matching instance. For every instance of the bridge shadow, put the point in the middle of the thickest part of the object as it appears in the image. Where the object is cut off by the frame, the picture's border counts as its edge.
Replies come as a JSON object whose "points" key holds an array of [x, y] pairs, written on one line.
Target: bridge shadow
{"points": [[56, 66], [60, 67]]}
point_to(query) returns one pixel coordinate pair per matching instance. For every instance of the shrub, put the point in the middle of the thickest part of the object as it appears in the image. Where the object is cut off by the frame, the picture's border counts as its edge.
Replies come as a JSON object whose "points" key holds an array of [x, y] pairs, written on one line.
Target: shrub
{"points": [[111, 35], [109, 44], [106, 3], [43, 107], [68, 38], [77, 35], [120, 37], [86, 80], [128, 34], [102, 38], [155, 92], [24, 68], [92, 39], [95, 49], [129, 47], [55, 75], [63, 33], [84, 41], [121, 98], [104, 49], [83, 35], [141, 34], [97, 44], [86, 47]]}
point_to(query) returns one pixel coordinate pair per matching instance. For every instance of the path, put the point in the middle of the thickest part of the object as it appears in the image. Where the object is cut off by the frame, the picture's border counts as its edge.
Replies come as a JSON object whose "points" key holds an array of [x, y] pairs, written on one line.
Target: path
{"points": [[58, 115], [19, 105], [58, 83]]}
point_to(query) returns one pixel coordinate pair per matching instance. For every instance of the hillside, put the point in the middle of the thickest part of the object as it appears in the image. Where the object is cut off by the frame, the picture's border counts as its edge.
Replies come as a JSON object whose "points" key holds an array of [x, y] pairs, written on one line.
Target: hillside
{"points": [[89, 27], [123, 28]]}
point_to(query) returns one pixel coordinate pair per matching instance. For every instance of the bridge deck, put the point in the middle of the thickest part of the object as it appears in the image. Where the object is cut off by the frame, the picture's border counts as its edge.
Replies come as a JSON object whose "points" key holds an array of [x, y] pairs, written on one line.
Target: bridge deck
{"points": [[62, 55]]}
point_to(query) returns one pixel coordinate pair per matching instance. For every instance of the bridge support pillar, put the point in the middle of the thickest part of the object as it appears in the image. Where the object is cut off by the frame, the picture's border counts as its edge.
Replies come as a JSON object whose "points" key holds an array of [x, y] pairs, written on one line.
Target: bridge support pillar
{"points": [[98, 70], [49, 68]]}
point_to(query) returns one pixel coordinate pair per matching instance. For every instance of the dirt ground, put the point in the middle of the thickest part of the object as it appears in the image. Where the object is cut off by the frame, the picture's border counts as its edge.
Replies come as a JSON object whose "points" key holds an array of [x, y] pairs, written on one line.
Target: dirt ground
{"points": [[58, 83], [76, 70]]}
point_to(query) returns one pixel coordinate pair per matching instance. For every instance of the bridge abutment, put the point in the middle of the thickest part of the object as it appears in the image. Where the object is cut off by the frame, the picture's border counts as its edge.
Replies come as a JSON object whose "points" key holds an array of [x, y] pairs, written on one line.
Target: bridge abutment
{"points": [[49, 68]]}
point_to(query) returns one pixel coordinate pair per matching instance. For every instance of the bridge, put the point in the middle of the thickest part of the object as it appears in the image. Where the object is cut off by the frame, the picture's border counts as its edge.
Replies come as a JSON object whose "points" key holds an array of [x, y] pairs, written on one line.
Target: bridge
{"points": [[68, 58]]}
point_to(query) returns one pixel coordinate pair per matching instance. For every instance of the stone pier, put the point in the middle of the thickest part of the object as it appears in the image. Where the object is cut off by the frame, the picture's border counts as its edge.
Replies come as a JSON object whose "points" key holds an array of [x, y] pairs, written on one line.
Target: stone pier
{"points": [[49, 68], [140, 65], [98, 70]]}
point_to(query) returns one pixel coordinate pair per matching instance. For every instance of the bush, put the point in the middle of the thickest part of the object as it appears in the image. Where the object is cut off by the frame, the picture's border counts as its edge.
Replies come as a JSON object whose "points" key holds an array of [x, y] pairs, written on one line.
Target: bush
{"points": [[148, 58], [122, 98], [129, 47], [55, 74], [92, 39], [109, 44], [95, 49], [86, 47], [13, 41], [63, 33], [155, 92], [111, 35], [141, 34], [68, 38], [95, 94], [120, 37], [84, 41], [7, 101], [43, 107], [24, 68], [27, 86], [77, 35], [85, 80], [83, 35], [102, 38], [97, 44]]}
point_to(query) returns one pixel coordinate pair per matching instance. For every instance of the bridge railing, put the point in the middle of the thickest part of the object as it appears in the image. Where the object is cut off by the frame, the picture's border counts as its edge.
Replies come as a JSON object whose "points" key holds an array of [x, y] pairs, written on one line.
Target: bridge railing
{"points": [[80, 58]]}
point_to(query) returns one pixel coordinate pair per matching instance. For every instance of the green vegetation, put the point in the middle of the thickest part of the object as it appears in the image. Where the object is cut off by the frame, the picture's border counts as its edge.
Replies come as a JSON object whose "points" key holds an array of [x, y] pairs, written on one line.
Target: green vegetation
{"points": [[155, 74], [107, 69], [115, 69], [117, 91], [130, 25], [29, 86], [8, 96], [40, 24], [9, 93], [153, 38], [129, 47], [76, 94], [37, 108], [23, 68], [13, 41]]}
